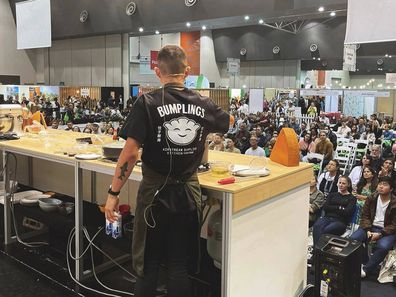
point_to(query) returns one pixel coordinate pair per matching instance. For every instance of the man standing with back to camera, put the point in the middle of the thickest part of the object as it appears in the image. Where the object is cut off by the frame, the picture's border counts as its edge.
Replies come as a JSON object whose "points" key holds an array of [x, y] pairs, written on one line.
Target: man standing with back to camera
{"points": [[171, 124]]}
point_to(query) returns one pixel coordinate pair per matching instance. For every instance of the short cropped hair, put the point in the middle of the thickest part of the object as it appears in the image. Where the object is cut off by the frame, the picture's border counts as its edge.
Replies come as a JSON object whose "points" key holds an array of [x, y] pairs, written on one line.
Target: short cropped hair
{"points": [[172, 59]]}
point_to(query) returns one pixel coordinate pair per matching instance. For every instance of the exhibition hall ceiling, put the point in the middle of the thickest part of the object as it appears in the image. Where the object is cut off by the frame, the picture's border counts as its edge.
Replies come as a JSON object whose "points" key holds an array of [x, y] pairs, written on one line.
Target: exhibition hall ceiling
{"points": [[103, 16]]}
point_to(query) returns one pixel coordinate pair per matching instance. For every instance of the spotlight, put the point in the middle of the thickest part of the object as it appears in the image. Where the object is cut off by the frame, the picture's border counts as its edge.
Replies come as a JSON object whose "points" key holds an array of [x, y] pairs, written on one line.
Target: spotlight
{"points": [[247, 17], [157, 32], [141, 29], [321, 9], [188, 24], [333, 14], [261, 21], [203, 27]]}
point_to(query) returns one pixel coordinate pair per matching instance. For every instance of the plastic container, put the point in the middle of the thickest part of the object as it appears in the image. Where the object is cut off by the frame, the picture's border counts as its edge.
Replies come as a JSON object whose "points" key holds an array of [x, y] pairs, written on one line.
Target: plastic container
{"points": [[220, 169]]}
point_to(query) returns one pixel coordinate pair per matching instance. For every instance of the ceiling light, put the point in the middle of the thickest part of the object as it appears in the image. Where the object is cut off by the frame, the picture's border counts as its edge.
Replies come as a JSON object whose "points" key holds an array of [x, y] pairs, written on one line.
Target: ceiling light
{"points": [[141, 29], [321, 9], [188, 25], [314, 58], [368, 84], [388, 87], [247, 17], [373, 79], [332, 14], [157, 32], [390, 56], [319, 59], [244, 86], [386, 56], [204, 27], [261, 21]]}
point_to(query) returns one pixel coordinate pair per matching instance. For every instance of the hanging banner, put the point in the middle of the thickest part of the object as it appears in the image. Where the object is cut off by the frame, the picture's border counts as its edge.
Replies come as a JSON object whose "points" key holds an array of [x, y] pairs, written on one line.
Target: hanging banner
{"points": [[322, 93], [233, 65], [153, 59], [349, 57], [370, 21], [391, 78], [84, 92]]}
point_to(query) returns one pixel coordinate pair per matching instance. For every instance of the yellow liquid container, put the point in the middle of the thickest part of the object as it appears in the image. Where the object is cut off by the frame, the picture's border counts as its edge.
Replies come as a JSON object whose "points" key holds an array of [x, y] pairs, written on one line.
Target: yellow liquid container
{"points": [[220, 169]]}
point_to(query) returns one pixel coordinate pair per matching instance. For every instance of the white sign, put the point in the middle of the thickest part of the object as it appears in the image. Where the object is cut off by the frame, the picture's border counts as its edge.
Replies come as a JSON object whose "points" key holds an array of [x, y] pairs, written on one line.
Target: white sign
{"points": [[391, 78], [379, 23], [233, 65], [33, 20], [84, 91], [322, 93], [369, 93], [349, 57], [256, 98]]}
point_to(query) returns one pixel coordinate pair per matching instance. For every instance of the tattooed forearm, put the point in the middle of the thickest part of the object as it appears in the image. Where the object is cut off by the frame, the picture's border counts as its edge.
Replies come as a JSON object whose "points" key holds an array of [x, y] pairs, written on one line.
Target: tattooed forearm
{"points": [[123, 170]]}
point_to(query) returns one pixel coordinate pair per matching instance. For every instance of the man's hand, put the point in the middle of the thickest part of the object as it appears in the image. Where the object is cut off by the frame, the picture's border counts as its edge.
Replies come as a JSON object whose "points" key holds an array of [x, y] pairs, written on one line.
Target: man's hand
{"points": [[111, 207], [375, 237]]}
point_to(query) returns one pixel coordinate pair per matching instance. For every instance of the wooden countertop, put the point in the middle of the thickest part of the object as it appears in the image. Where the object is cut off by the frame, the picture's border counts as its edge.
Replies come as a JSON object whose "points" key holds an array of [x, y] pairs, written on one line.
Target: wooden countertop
{"points": [[51, 145]]}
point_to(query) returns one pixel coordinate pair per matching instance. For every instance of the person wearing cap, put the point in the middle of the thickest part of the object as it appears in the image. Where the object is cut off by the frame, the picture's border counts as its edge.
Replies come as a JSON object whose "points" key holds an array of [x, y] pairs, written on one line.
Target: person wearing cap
{"points": [[377, 225]]}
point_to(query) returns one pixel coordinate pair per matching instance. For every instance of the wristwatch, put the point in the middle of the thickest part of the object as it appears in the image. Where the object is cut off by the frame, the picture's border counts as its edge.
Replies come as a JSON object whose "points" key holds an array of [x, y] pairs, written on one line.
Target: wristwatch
{"points": [[112, 193]]}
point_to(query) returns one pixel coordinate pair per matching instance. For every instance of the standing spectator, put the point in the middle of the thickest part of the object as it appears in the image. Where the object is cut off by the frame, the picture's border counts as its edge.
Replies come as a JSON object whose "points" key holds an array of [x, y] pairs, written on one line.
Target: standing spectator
{"points": [[312, 110], [378, 224], [361, 128], [254, 149]]}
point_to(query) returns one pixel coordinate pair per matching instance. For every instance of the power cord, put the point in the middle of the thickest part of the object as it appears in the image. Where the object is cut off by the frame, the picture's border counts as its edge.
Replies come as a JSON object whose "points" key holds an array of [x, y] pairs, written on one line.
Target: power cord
{"points": [[149, 207], [91, 244], [12, 204]]}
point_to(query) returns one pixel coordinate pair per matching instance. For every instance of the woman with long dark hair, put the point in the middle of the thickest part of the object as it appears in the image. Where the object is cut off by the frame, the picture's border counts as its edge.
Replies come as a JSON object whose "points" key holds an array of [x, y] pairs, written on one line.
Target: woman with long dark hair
{"points": [[364, 188], [357, 171]]}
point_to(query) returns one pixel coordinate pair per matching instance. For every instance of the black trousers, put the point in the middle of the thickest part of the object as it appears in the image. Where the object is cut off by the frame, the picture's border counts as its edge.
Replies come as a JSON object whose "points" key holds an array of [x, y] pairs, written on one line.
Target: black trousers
{"points": [[170, 242]]}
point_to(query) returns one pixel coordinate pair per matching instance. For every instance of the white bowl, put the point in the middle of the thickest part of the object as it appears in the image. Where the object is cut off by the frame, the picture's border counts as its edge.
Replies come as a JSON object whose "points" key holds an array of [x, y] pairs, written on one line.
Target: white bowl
{"points": [[49, 204]]}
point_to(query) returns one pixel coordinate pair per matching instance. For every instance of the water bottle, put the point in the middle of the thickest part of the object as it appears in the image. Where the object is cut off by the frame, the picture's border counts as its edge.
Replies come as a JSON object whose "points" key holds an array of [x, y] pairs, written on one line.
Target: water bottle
{"points": [[117, 226]]}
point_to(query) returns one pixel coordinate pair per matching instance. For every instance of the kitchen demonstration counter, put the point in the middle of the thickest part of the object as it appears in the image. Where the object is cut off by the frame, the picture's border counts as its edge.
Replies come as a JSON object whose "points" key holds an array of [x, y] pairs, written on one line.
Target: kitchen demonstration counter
{"points": [[265, 220]]}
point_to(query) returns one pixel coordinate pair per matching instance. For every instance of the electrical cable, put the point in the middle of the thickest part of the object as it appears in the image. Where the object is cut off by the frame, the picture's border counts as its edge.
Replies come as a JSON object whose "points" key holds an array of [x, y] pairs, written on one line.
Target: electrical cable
{"points": [[12, 205], [149, 207], [91, 244]]}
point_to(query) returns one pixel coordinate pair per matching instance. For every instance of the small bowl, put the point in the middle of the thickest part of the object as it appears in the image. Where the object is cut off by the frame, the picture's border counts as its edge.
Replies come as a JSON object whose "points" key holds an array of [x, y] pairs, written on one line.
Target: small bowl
{"points": [[66, 208], [220, 169], [49, 204]]}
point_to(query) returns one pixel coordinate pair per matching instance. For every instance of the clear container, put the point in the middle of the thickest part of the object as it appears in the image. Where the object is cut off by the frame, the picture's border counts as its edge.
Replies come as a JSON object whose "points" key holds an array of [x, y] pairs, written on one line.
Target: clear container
{"points": [[220, 169]]}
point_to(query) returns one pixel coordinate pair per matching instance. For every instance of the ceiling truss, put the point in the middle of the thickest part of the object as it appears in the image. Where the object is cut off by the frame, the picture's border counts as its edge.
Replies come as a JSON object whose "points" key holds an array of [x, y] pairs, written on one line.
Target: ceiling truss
{"points": [[292, 27]]}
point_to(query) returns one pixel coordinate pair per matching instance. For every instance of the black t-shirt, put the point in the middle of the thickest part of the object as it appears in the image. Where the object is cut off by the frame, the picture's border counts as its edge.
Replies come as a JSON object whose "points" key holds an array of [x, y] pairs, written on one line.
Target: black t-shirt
{"points": [[174, 121]]}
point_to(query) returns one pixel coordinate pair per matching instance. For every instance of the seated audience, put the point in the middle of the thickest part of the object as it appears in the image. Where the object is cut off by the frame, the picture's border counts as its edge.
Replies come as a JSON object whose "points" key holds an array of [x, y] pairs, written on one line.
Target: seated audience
{"points": [[76, 129], [217, 144], [377, 161], [324, 147], [378, 225], [338, 210], [356, 172], [344, 130], [387, 169], [230, 146], [327, 181], [254, 149], [316, 201], [364, 188], [306, 145]]}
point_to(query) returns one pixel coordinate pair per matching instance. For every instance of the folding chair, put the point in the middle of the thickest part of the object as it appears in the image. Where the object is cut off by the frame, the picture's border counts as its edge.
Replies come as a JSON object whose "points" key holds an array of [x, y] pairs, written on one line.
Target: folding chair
{"points": [[343, 156], [311, 156]]}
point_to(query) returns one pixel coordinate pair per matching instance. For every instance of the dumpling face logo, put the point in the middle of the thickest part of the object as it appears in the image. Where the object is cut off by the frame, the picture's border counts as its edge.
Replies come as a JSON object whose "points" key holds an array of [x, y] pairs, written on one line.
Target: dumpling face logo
{"points": [[181, 131]]}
